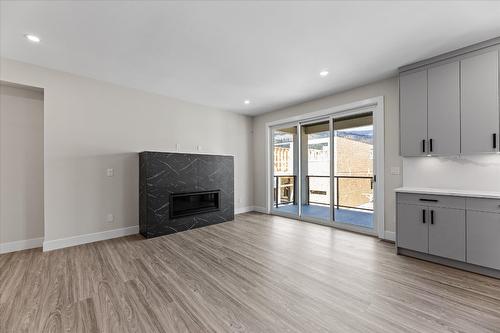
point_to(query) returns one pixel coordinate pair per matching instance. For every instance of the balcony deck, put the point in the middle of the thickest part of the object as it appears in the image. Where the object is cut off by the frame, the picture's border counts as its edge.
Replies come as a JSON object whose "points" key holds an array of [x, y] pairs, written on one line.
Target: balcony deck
{"points": [[343, 215]]}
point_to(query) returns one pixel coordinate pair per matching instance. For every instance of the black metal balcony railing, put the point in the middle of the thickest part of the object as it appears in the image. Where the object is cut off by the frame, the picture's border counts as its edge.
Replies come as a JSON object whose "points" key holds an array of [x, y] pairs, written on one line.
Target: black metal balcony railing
{"points": [[337, 190], [290, 193]]}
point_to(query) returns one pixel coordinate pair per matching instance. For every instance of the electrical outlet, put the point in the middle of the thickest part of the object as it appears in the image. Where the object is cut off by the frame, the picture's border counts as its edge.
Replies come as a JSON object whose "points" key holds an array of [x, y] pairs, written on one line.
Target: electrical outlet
{"points": [[110, 172], [395, 171], [110, 218], [177, 146]]}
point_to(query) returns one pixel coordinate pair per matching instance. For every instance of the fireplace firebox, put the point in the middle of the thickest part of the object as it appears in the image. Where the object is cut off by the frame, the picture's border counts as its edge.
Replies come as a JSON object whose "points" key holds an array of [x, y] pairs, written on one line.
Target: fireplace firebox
{"points": [[192, 203]]}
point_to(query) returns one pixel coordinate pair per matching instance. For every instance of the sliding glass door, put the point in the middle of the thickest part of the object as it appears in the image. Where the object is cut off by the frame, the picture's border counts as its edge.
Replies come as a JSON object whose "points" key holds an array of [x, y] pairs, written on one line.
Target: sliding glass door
{"points": [[323, 170], [353, 157], [315, 170], [285, 169]]}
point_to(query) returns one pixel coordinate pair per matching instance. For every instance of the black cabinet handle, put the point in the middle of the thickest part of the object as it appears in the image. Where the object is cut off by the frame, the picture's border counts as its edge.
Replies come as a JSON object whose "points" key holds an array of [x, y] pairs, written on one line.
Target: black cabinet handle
{"points": [[423, 146], [430, 145], [428, 200], [494, 141], [423, 216], [432, 217]]}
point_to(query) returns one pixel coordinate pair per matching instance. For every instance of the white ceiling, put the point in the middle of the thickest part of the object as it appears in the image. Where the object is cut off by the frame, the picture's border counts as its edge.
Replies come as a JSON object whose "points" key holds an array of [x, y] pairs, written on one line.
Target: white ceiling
{"points": [[221, 53]]}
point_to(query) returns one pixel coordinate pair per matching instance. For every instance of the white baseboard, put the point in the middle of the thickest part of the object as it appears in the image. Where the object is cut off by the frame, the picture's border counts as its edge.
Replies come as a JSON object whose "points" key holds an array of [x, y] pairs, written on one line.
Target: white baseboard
{"points": [[390, 236], [260, 209], [24, 244], [250, 209], [89, 238], [242, 210]]}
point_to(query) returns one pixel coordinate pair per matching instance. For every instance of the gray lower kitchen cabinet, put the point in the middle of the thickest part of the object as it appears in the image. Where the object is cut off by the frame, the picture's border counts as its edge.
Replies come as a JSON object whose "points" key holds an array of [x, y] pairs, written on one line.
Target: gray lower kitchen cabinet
{"points": [[413, 113], [450, 228], [479, 101], [447, 233], [483, 239], [444, 109], [434, 230], [413, 231]]}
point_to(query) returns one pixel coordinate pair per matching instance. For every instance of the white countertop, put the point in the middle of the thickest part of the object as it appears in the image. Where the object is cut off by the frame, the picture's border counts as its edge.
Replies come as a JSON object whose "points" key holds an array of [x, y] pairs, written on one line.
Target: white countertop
{"points": [[450, 192]]}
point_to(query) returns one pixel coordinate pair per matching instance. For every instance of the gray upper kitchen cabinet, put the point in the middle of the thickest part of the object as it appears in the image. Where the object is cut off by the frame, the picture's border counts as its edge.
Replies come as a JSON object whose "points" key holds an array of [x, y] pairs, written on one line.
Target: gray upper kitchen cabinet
{"points": [[447, 233], [430, 111], [479, 101], [444, 109], [412, 228], [413, 113], [449, 104], [483, 240]]}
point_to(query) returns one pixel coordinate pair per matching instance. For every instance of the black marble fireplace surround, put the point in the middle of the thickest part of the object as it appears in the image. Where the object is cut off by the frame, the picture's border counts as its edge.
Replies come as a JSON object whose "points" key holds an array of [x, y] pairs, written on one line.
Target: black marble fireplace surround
{"points": [[200, 187]]}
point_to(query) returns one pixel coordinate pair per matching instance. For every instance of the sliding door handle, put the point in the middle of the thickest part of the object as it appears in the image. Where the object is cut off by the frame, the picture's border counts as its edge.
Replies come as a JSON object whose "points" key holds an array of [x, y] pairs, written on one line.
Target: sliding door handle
{"points": [[432, 217], [430, 145], [423, 146], [494, 141], [423, 216]]}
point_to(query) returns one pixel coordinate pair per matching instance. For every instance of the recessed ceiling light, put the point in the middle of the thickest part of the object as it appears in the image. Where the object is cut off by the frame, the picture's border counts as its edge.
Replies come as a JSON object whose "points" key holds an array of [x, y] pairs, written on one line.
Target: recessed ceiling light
{"points": [[32, 38], [246, 101], [323, 73]]}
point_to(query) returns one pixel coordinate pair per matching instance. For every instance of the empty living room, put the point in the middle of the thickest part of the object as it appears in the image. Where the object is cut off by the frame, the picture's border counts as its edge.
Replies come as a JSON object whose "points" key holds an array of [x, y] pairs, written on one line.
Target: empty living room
{"points": [[249, 166]]}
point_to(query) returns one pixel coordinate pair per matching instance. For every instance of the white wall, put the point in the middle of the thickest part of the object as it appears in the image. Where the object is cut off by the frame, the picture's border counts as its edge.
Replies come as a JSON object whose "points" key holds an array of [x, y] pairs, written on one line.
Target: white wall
{"points": [[387, 88], [21, 164], [476, 173], [91, 125]]}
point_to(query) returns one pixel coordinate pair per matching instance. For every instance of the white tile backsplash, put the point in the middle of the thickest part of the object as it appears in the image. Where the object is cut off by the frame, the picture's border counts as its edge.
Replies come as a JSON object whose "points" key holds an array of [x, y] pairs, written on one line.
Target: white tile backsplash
{"points": [[479, 172]]}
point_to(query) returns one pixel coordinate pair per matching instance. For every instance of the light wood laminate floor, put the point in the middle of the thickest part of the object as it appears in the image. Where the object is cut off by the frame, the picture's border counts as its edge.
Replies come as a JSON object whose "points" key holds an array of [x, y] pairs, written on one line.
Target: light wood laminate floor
{"points": [[259, 273]]}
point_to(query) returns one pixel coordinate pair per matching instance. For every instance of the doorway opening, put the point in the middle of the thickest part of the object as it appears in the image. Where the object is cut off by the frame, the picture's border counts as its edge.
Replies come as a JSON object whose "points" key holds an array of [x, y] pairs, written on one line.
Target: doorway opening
{"points": [[21, 167]]}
